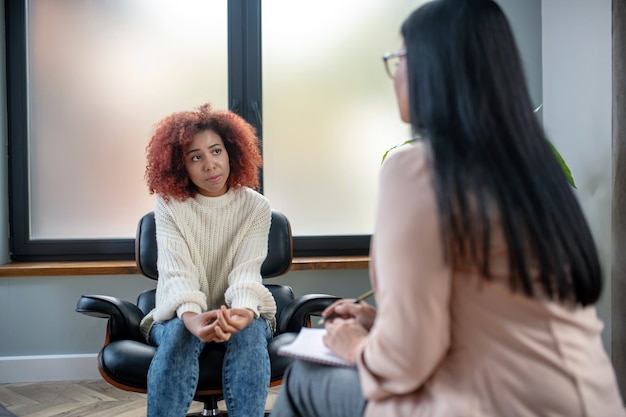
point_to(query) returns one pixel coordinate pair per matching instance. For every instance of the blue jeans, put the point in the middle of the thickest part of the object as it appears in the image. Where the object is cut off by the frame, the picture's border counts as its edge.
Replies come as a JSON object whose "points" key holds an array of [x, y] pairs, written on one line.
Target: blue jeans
{"points": [[313, 390], [174, 371]]}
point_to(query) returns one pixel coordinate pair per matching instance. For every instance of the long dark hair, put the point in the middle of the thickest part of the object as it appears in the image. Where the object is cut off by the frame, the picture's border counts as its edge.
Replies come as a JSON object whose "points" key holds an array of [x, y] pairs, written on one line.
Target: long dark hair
{"points": [[491, 159]]}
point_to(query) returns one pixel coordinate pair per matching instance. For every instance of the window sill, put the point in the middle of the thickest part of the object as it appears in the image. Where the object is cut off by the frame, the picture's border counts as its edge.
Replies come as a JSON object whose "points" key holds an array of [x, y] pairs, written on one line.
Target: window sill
{"points": [[32, 269]]}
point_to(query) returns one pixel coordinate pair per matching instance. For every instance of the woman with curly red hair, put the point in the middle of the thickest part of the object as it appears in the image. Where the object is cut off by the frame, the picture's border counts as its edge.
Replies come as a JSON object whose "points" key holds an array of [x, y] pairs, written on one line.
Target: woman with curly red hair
{"points": [[212, 229]]}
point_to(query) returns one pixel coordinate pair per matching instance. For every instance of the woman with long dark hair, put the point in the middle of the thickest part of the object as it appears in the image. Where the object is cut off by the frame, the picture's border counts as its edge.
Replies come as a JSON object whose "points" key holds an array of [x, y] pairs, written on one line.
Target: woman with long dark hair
{"points": [[484, 267]]}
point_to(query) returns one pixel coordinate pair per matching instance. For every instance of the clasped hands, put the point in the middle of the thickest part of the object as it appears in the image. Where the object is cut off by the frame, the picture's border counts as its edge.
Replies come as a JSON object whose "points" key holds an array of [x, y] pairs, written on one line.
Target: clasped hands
{"points": [[218, 325], [346, 332]]}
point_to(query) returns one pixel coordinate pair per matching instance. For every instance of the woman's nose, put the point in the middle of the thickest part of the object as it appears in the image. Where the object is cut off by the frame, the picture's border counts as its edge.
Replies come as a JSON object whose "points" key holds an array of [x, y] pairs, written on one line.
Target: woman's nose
{"points": [[208, 164]]}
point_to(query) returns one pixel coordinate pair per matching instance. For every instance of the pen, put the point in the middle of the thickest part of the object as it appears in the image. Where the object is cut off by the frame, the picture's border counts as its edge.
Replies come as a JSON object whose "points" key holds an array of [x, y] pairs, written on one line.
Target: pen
{"points": [[358, 300]]}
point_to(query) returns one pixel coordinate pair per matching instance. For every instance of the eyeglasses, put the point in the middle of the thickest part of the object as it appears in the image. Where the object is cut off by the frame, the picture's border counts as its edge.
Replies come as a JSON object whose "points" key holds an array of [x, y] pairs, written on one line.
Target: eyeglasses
{"points": [[391, 60]]}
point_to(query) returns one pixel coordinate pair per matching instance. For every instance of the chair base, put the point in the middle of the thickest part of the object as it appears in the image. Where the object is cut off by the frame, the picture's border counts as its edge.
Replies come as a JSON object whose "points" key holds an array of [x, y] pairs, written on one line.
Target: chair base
{"points": [[219, 413], [205, 413], [208, 411], [209, 408]]}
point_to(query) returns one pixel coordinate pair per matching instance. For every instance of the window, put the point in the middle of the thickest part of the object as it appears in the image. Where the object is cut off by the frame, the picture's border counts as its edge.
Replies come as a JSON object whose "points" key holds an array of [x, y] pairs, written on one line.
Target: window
{"points": [[329, 109], [88, 80]]}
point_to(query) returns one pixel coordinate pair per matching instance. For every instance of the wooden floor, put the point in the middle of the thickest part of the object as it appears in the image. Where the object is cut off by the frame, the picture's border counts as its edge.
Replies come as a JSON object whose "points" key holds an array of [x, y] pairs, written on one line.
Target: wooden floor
{"points": [[81, 399]]}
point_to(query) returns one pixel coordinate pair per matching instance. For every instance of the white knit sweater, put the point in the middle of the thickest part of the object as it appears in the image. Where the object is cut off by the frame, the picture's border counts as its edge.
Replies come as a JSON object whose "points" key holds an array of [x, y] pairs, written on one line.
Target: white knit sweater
{"points": [[210, 251]]}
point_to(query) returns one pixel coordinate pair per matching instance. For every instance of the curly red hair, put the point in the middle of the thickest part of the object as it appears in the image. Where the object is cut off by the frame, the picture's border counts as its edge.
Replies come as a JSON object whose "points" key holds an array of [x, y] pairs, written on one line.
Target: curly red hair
{"points": [[165, 170]]}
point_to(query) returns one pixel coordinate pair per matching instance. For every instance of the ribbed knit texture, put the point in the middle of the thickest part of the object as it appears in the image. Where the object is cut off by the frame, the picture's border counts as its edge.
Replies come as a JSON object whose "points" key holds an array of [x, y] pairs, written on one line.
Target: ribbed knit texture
{"points": [[210, 251]]}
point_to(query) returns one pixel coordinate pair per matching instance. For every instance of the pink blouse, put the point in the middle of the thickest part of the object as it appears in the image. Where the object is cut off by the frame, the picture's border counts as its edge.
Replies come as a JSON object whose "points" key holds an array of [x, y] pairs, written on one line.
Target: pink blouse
{"points": [[446, 343]]}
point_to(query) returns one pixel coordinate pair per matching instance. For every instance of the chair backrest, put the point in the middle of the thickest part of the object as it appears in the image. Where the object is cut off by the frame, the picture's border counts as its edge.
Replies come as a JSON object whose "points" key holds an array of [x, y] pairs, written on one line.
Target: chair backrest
{"points": [[277, 262]]}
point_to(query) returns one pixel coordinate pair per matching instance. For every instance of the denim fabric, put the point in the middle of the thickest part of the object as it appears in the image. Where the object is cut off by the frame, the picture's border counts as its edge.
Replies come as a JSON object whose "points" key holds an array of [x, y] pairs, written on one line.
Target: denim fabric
{"points": [[173, 373], [313, 390]]}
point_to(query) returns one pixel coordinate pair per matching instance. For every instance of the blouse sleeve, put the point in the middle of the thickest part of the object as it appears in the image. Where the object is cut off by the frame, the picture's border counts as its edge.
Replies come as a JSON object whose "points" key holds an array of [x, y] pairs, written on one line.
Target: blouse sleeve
{"points": [[411, 333]]}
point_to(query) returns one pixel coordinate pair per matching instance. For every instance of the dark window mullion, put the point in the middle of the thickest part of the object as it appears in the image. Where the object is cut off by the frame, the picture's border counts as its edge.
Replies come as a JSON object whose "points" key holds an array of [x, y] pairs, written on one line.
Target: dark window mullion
{"points": [[244, 60], [17, 122]]}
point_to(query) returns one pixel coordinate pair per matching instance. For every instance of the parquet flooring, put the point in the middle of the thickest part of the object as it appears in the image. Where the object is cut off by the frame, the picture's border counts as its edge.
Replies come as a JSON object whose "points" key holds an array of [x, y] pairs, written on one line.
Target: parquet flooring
{"points": [[81, 399]]}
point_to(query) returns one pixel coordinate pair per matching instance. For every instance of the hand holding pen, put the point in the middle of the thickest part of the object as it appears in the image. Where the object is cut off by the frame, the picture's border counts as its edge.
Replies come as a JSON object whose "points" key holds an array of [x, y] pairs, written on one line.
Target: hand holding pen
{"points": [[334, 314]]}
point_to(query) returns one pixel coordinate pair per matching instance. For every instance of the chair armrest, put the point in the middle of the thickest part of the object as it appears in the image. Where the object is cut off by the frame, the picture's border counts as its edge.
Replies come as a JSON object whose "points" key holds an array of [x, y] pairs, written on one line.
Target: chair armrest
{"points": [[124, 317], [296, 314]]}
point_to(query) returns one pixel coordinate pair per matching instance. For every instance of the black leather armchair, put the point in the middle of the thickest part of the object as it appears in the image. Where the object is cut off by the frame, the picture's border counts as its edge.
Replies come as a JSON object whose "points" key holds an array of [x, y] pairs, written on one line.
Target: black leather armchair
{"points": [[125, 357]]}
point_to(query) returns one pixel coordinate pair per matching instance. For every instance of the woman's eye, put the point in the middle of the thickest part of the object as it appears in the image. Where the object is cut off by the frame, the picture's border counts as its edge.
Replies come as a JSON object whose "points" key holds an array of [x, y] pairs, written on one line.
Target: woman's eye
{"points": [[195, 158], [217, 151]]}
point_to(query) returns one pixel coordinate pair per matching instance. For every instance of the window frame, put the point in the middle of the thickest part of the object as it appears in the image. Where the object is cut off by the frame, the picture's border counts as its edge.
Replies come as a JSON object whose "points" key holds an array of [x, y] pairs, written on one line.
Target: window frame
{"points": [[244, 97]]}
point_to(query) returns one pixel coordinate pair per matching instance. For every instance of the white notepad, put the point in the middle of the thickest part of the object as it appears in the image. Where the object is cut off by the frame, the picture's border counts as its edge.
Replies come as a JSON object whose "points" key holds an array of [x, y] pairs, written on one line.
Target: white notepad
{"points": [[310, 346]]}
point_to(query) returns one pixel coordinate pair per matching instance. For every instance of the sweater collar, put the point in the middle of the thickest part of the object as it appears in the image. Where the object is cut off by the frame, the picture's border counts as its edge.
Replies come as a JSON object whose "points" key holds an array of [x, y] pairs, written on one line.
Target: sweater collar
{"points": [[216, 202]]}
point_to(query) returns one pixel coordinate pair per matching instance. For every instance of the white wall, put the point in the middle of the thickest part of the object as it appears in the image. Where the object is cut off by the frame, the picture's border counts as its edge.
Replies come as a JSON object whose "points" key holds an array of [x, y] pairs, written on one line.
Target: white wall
{"points": [[577, 112]]}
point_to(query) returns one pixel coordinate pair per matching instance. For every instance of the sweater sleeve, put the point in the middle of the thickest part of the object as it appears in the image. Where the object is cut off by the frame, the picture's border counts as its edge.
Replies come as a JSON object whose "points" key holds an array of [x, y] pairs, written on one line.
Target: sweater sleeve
{"points": [[411, 333], [178, 287], [245, 286]]}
